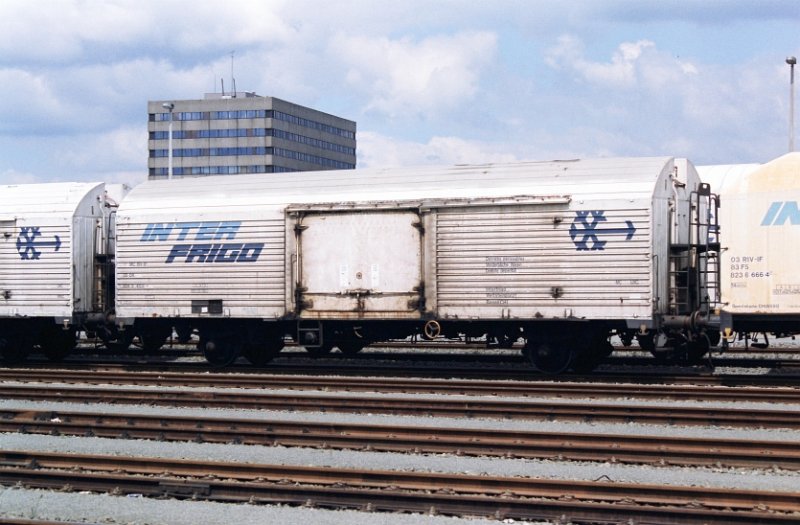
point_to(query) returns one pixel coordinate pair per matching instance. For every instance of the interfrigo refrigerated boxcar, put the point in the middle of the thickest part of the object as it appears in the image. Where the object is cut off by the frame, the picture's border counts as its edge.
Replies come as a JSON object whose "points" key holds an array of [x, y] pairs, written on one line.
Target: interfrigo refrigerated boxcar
{"points": [[54, 265], [560, 253]]}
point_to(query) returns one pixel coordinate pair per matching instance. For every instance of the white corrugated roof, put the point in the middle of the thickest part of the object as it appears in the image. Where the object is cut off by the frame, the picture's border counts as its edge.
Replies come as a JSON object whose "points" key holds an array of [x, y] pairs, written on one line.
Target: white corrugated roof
{"points": [[782, 173], [577, 178], [721, 175], [57, 198]]}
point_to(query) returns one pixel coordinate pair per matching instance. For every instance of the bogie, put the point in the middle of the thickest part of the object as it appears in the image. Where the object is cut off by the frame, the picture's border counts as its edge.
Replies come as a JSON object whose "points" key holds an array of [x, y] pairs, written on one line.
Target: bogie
{"points": [[57, 343]]}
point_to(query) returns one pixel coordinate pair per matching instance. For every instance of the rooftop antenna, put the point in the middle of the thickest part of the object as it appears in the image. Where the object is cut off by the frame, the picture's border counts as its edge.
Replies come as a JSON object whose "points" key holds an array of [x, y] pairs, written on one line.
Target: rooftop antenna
{"points": [[233, 79]]}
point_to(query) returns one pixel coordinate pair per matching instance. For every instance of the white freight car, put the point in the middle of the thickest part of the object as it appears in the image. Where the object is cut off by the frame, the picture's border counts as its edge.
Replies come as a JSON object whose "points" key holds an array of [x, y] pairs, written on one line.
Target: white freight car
{"points": [[760, 224], [53, 265], [562, 253]]}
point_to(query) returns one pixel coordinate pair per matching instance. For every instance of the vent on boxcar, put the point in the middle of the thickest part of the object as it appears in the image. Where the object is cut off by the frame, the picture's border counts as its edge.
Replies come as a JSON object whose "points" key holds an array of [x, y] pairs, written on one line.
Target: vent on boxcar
{"points": [[210, 306]]}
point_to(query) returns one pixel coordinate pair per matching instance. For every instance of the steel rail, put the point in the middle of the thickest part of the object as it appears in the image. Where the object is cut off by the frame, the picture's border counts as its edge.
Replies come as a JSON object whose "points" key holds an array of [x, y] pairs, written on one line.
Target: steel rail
{"points": [[658, 450], [333, 367], [452, 494], [341, 369], [417, 354], [527, 409], [397, 385], [22, 521]]}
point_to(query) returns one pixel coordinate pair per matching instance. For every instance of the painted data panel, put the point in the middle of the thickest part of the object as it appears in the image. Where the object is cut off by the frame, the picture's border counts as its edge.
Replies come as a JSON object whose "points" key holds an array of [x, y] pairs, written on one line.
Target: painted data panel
{"points": [[173, 268], [761, 232]]}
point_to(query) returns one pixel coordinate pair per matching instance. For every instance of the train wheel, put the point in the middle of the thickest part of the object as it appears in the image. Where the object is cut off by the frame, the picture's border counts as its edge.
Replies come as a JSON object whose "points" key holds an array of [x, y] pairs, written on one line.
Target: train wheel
{"points": [[550, 358], [151, 343], [585, 362], [646, 342], [319, 351], [672, 348], [350, 347], [259, 354], [58, 344], [116, 340], [15, 349], [153, 340], [626, 338], [526, 349], [606, 348], [219, 351], [591, 356], [698, 348]]}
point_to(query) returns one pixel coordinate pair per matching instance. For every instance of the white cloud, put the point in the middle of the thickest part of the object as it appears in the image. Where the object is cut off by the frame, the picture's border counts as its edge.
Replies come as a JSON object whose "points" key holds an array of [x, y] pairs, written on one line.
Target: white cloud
{"points": [[653, 102], [119, 155], [206, 24], [28, 100], [11, 176], [376, 150], [620, 71], [407, 77], [72, 29]]}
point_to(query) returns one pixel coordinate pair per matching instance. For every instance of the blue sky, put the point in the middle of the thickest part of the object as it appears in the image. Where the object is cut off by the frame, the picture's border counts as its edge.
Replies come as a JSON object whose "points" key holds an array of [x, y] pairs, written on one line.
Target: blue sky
{"points": [[428, 82]]}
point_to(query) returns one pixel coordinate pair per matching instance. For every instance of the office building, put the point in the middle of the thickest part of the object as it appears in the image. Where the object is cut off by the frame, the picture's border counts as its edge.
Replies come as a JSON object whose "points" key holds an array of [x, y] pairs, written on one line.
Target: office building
{"points": [[245, 133]]}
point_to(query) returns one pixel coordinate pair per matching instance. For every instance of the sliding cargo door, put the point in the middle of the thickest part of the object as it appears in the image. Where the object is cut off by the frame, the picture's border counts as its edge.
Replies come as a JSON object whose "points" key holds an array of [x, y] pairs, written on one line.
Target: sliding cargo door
{"points": [[364, 264]]}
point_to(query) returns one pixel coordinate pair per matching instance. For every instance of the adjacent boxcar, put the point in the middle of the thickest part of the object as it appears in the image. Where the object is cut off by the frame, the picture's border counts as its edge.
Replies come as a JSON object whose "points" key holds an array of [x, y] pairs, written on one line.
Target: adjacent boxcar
{"points": [[560, 253], [760, 222], [54, 266]]}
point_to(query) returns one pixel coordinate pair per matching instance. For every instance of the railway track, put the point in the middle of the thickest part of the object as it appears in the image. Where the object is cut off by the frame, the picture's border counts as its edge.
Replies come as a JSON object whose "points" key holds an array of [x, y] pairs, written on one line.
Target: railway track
{"points": [[21, 521], [398, 491], [530, 389], [527, 409], [469, 353], [631, 449], [360, 369]]}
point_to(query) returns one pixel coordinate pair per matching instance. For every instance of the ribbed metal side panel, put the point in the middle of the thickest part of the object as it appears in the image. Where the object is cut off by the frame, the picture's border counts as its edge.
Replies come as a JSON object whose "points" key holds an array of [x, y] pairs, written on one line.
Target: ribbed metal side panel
{"points": [[148, 285], [41, 284], [520, 262]]}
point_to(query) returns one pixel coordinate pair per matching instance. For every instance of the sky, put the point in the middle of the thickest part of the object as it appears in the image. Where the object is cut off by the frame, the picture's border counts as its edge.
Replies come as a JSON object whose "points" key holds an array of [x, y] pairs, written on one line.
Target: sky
{"points": [[427, 81]]}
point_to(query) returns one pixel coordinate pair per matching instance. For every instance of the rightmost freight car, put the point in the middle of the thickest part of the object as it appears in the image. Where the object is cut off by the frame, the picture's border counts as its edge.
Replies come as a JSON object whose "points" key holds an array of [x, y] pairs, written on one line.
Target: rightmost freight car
{"points": [[760, 227]]}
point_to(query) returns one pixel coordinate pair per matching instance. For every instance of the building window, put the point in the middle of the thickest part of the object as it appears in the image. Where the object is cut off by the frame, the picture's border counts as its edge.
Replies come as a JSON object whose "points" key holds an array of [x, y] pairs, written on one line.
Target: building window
{"points": [[210, 152], [312, 159], [251, 114], [212, 170]]}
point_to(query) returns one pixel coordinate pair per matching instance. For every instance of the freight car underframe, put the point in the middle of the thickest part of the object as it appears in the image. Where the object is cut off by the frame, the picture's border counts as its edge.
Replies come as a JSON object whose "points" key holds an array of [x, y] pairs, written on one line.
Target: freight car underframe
{"points": [[748, 326], [550, 345], [19, 336]]}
